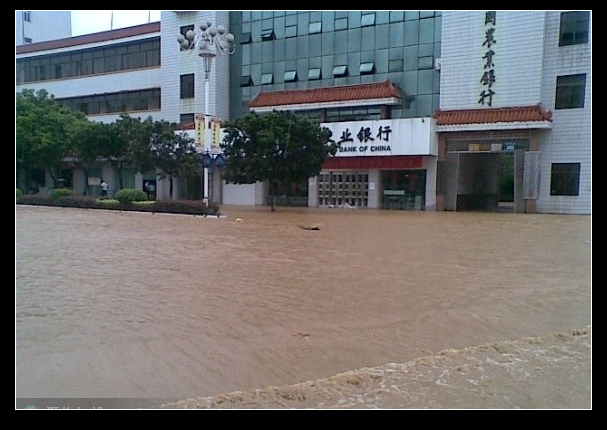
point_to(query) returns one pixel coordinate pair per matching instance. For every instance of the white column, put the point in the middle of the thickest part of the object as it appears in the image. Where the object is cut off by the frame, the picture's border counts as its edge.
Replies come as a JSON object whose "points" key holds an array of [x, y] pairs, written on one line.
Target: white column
{"points": [[207, 87]]}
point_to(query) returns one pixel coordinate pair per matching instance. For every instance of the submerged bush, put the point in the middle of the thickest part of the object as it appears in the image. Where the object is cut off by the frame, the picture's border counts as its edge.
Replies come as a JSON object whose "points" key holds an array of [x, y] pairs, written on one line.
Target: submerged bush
{"points": [[130, 195], [169, 206], [61, 192]]}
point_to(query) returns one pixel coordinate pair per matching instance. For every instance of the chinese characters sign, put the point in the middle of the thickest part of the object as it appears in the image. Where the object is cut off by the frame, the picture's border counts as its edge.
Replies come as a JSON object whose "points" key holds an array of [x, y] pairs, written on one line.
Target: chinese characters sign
{"points": [[488, 76], [208, 133], [383, 137], [366, 138]]}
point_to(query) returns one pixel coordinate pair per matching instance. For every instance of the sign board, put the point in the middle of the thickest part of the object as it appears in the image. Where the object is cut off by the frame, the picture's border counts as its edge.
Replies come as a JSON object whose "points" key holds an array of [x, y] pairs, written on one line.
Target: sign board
{"points": [[220, 161], [207, 161]]}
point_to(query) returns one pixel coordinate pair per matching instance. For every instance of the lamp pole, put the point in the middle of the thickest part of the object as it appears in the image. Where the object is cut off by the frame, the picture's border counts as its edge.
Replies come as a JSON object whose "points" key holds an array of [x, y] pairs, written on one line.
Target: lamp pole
{"points": [[210, 41]]}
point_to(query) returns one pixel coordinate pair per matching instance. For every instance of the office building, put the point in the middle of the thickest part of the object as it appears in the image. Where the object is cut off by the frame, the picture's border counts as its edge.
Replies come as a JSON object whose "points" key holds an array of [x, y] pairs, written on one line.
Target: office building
{"points": [[479, 110], [33, 26]]}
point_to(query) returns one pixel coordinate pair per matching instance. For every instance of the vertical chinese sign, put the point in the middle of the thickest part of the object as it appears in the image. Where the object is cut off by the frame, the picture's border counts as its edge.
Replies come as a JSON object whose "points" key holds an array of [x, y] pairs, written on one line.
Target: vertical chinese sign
{"points": [[216, 133], [200, 129], [488, 75]]}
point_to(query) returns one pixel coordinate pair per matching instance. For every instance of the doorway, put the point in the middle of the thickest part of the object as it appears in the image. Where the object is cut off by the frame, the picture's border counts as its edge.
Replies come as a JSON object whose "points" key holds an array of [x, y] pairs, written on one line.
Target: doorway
{"points": [[485, 181], [505, 190]]}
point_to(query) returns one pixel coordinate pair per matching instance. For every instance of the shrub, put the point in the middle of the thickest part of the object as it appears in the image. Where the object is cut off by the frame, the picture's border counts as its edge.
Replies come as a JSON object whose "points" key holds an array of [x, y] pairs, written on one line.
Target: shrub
{"points": [[74, 201], [61, 192], [35, 200], [130, 195], [185, 207], [107, 202], [19, 192], [190, 207]]}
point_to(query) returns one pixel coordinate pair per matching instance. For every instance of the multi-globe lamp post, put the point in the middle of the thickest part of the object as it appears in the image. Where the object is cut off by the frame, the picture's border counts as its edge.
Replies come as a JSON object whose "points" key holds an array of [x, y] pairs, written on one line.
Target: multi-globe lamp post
{"points": [[210, 41]]}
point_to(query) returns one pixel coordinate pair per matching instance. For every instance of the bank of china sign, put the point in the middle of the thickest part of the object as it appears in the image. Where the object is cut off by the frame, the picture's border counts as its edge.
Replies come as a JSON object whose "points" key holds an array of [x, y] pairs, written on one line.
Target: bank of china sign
{"points": [[384, 137]]}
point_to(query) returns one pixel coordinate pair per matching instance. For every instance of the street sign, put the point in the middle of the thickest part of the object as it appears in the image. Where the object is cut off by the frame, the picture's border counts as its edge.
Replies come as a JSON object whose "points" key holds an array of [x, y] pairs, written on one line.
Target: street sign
{"points": [[207, 161]]}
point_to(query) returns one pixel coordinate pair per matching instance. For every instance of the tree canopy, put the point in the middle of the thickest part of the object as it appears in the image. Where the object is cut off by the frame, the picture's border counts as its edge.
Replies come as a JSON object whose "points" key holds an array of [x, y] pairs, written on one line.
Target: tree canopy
{"points": [[173, 153], [51, 137], [276, 146], [45, 133]]}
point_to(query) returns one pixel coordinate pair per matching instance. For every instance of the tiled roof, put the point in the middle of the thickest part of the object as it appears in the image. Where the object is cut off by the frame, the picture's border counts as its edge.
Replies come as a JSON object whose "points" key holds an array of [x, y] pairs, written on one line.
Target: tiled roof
{"points": [[492, 115], [378, 90], [103, 36]]}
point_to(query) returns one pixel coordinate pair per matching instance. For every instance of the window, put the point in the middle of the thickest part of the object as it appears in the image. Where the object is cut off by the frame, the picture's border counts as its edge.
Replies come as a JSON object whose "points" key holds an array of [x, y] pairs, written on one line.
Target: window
{"points": [[367, 20], [341, 24], [187, 86], [267, 79], [314, 74], [245, 38], [315, 27], [140, 103], [367, 68], [116, 102], [42, 73], [124, 56], [291, 76], [574, 28], [58, 71], [395, 65], [570, 91], [397, 16], [27, 16], [340, 71], [291, 31], [186, 118], [95, 107], [425, 63], [183, 31], [565, 179], [268, 35], [246, 81]]}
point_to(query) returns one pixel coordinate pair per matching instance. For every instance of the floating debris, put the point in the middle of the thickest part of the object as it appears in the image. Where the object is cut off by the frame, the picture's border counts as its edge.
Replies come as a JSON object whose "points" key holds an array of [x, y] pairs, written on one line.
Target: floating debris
{"points": [[311, 227]]}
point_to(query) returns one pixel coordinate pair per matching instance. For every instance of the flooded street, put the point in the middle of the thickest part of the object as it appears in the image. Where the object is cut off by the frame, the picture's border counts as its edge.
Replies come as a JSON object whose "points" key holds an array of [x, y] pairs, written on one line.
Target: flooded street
{"points": [[126, 305]]}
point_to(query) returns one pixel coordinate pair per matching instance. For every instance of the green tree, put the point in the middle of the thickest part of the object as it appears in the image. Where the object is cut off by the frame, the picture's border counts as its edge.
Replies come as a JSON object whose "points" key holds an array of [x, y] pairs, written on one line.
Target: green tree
{"points": [[45, 133], [277, 146], [95, 143], [132, 145], [173, 154]]}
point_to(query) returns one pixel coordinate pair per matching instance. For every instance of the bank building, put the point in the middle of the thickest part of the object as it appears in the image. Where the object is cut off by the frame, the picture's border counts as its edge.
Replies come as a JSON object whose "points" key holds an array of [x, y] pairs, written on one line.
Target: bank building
{"points": [[433, 110]]}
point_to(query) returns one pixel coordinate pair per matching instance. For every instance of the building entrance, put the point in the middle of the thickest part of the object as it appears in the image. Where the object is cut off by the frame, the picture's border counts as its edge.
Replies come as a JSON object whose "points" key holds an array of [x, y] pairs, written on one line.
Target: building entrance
{"points": [[342, 188], [485, 174], [403, 189]]}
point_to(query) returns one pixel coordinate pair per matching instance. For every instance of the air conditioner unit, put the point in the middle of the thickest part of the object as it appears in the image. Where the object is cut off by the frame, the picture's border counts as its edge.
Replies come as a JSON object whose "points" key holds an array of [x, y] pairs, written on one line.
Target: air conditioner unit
{"points": [[437, 62]]}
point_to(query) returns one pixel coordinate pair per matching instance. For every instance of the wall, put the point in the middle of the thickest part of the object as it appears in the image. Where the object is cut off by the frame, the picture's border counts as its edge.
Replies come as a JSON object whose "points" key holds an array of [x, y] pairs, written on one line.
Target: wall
{"points": [[570, 140], [517, 59], [43, 26], [176, 63]]}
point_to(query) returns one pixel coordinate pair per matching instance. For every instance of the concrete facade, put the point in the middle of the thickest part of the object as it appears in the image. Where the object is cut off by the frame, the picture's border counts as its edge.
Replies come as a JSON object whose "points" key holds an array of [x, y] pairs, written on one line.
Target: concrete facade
{"points": [[526, 63]]}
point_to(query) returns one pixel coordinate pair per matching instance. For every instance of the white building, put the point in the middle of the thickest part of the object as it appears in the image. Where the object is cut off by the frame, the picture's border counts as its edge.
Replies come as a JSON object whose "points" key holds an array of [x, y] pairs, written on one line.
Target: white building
{"points": [[516, 84], [515, 95], [118, 71], [33, 26]]}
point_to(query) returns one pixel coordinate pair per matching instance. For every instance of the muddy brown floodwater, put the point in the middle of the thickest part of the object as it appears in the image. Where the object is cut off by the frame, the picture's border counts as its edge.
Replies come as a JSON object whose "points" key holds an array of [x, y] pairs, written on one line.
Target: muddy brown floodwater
{"points": [[133, 309]]}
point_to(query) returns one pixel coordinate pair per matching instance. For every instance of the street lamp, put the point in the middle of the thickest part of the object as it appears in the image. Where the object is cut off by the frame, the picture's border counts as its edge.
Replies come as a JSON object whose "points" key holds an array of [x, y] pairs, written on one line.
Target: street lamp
{"points": [[210, 41]]}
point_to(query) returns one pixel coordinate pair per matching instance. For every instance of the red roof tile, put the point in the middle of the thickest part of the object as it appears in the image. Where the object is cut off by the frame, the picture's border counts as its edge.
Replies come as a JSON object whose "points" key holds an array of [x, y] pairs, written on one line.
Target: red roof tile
{"points": [[377, 90], [491, 115], [103, 36]]}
